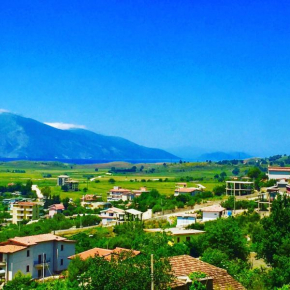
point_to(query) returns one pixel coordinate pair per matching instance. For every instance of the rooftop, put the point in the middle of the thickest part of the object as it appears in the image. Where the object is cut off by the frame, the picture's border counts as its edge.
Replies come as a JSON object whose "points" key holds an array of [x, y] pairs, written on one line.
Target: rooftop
{"points": [[133, 211], [276, 168], [25, 203], [185, 265], [11, 248], [106, 253], [213, 208], [33, 240], [186, 189], [57, 206], [176, 231]]}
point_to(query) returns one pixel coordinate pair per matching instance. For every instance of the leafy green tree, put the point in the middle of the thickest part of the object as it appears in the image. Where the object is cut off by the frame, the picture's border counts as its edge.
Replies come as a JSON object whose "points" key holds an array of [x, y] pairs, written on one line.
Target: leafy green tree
{"points": [[236, 171], [126, 272], [46, 191]]}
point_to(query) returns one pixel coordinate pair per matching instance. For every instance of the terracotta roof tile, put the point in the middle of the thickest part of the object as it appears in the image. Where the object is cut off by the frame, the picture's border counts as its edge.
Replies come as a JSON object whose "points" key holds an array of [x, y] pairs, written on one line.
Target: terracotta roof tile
{"points": [[184, 265], [11, 248], [106, 253], [32, 240]]}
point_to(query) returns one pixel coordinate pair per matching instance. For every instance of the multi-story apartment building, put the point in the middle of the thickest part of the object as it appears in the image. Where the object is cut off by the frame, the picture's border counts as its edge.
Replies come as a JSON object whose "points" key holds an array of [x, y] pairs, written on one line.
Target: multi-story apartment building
{"points": [[24, 210], [62, 179], [40, 255]]}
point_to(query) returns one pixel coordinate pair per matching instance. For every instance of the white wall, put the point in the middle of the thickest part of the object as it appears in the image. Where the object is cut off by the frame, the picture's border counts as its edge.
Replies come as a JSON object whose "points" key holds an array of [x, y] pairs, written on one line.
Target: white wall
{"points": [[19, 260], [208, 216]]}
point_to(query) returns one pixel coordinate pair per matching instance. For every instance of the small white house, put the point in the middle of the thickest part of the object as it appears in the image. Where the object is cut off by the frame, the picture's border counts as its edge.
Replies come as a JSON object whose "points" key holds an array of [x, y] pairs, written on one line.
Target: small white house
{"points": [[212, 212]]}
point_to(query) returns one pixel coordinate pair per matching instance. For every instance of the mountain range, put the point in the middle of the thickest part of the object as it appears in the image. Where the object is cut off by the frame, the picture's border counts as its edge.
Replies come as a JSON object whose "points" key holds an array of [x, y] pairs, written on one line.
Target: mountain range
{"points": [[26, 138]]}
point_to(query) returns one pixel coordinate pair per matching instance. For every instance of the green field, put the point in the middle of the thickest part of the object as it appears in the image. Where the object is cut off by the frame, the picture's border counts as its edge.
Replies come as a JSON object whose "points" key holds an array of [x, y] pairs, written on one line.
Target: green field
{"points": [[201, 173]]}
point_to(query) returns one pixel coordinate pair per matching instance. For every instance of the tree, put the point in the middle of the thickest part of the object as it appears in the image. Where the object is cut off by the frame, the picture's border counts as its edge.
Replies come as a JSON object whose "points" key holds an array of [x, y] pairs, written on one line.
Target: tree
{"points": [[254, 172], [111, 180], [126, 272], [236, 171], [46, 191], [219, 190], [226, 236]]}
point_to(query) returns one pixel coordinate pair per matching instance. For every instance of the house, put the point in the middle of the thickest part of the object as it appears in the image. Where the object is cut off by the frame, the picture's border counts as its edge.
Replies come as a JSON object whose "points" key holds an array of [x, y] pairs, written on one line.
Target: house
{"points": [[239, 187], [216, 278], [105, 253], [91, 198], [24, 210], [213, 212], [112, 214], [55, 209], [187, 190], [98, 204], [279, 173], [138, 192], [72, 185], [185, 219], [133, 214], [35, 255], [118, 193], [281, 184], [62, 179], [179, 235]]}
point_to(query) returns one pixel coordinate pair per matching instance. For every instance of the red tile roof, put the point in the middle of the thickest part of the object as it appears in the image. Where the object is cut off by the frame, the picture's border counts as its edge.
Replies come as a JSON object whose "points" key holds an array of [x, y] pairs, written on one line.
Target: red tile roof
{"points": [[106, 253], [57, 207], [33, 240], [25, 203], [186, 189], [184, 265], [11, 248]]}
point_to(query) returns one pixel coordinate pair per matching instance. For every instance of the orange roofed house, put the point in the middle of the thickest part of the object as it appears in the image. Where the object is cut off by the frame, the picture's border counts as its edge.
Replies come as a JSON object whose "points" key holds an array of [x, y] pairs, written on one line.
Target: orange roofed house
{"points": [[216, 278], [35, 255], [105, 253]]}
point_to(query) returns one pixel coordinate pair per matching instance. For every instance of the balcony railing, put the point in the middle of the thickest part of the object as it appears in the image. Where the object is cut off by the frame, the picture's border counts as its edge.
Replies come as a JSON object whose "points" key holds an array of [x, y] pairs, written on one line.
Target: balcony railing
{"points": [[38, 263]]}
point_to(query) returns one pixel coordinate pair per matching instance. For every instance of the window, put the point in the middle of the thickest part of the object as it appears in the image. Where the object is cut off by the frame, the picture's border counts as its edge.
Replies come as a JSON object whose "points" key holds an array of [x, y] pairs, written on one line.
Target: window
{"points": [[178, 240], [28, 253], [61, 247], [61, 262], [27, 268], [188, 239]]}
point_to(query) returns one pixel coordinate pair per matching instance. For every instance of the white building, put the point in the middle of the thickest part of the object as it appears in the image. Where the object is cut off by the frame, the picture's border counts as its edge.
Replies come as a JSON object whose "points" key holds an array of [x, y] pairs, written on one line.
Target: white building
{"points": [[38, 255], [278, 173], [112, 214], [186, 219], [62, 179], [212, 212]]}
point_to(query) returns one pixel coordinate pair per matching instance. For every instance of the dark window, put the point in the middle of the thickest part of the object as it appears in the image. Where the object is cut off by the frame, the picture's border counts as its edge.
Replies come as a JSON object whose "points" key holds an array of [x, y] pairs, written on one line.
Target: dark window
{"points": [[188, 239], [27, 253], [61, 262], [178, 239], [61, 247], [27, 268]]}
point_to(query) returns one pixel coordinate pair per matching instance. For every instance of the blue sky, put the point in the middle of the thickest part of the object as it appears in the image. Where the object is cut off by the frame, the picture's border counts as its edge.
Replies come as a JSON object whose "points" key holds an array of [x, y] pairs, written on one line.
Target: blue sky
{"points": [[208, 74]]}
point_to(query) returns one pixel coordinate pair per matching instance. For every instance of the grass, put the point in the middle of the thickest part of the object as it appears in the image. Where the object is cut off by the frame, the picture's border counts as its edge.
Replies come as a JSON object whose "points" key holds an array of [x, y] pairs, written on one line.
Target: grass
{"points": [[173, 172]]}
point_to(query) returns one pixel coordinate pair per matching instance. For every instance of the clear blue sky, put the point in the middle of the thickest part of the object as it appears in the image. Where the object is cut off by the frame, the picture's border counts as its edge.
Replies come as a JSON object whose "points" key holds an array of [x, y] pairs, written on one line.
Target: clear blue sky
{"points": [[211, 74]]}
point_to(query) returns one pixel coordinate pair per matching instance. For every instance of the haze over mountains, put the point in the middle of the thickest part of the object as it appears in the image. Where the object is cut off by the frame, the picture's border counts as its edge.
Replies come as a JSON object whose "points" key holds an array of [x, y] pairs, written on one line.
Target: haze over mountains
{"points": [[29, 139]]}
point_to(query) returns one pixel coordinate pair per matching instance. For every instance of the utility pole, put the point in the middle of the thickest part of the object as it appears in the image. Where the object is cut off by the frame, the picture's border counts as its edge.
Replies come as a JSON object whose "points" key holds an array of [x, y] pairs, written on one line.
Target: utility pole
{"points": [[152, 273]]}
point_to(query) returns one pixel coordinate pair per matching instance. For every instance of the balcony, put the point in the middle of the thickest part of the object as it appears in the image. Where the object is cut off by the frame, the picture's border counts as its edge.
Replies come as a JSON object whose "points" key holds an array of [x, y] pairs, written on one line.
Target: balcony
{"points": [[20, 214], [2, 264], [39, 264], [29, 209]]}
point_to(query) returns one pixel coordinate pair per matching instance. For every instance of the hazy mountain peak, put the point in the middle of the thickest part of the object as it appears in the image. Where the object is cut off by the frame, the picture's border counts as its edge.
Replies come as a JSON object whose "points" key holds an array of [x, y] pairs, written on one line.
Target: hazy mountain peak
{"points": [[27, 138]]}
